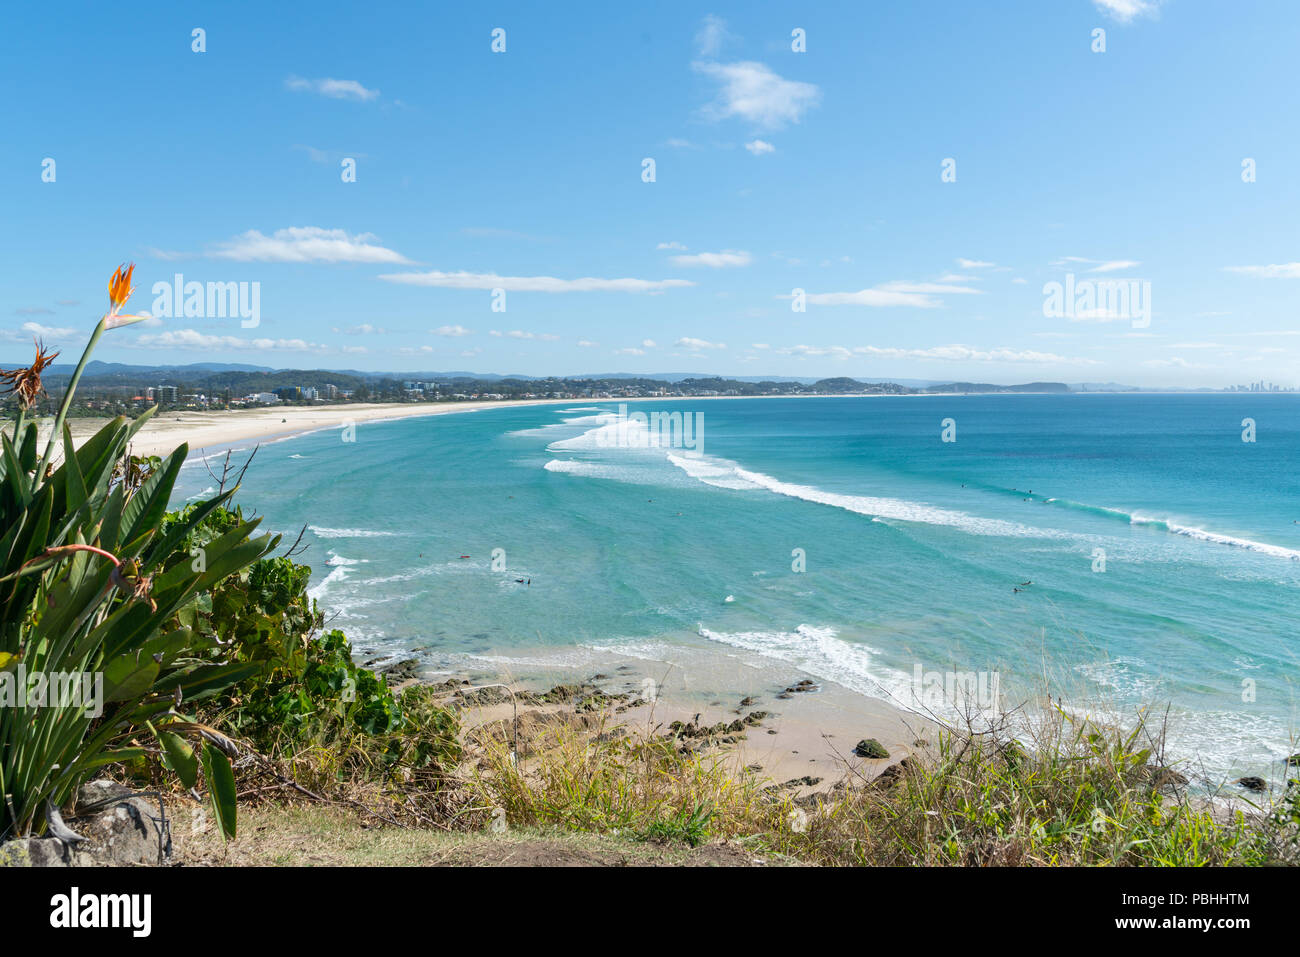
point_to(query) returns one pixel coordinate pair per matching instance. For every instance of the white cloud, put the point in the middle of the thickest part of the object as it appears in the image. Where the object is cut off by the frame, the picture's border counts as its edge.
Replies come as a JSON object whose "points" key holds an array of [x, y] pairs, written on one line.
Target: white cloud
{"points": [[671, 245], [689, 343], [334, 89], [975, 264], [1099, 315], [1174, 362], [948, 353], [835, 352], [29, 330], [753, 92], [759, 147], [167, 255], [1282, 271], [472, 280], [587, 343], [712, 34], [1098, 265], [648, 344], [453, 331], [1126, 10], [521, 334], [630, 351], [304, 244], [919, 295], [365, 329], [728, 257], [970, 354], [193, 339]]}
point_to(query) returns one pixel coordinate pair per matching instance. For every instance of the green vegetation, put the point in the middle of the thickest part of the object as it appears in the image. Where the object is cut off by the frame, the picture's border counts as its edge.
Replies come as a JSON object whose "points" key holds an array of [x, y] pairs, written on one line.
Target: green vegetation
{"points": [[1072, 794], [307, 703], [91, 583]]}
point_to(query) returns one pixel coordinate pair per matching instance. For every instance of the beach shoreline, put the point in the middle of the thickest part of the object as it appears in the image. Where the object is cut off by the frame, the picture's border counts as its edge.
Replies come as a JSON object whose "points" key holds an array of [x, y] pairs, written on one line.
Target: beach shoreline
{"points": [[801, 732], [209, 433]]}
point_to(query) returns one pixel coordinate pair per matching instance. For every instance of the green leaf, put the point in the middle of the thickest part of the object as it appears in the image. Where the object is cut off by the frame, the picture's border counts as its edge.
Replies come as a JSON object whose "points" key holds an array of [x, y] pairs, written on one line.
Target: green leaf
{"points": [[127, 677], [180, 757], [221, 788]]}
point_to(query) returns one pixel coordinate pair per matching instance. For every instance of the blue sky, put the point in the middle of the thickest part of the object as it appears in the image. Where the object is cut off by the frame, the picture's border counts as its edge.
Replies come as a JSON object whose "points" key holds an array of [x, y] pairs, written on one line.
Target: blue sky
{"points": [[774, 170]]}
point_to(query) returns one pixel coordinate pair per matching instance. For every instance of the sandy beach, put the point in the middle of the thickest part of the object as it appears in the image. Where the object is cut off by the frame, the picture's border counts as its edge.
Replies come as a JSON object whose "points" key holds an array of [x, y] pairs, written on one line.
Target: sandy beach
{"points": [[210, 433]]}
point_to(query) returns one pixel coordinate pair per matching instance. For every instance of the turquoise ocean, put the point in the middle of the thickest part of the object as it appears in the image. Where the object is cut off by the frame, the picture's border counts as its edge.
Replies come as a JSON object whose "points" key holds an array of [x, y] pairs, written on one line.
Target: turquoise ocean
{"points": [[839, 536]]}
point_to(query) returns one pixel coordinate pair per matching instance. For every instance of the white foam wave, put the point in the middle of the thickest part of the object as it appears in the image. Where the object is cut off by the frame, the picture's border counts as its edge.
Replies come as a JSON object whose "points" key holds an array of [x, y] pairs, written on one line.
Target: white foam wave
{"points": [[728, 474], [819, 652], [323, 532], [1201, 534]]}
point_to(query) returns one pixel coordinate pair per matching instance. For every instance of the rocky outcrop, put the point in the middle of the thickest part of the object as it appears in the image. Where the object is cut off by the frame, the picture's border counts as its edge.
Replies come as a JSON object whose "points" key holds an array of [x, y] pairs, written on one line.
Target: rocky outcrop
{"points": [[117, 828]]}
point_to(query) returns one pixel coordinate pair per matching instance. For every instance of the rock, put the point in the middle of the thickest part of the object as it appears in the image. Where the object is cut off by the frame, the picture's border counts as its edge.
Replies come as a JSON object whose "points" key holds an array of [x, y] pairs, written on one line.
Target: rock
{"points": [[451, 684], [119, 830], [1167, 780], [746, 702], [600, 677], [484, 696], [785, 694], [806, 781], [892, 774], [1253, 783], [870, 748], [562, 693], [404, 670]]}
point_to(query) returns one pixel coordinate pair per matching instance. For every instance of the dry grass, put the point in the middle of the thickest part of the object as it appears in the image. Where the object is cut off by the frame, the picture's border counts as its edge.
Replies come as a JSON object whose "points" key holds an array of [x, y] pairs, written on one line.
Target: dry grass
{"points": [[1057, 790]]}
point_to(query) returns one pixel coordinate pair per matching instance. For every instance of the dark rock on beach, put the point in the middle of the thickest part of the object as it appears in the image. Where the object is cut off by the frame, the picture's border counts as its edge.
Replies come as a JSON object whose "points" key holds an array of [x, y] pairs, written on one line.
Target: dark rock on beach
{"points": [[892, 774], [405, 670], [1253, 784], [870, 748], [805, 781]]}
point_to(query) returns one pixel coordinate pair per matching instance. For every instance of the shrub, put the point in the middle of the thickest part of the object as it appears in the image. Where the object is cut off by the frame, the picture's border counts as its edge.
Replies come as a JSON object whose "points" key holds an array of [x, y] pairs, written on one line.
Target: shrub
{"points": [[90, 585]]}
